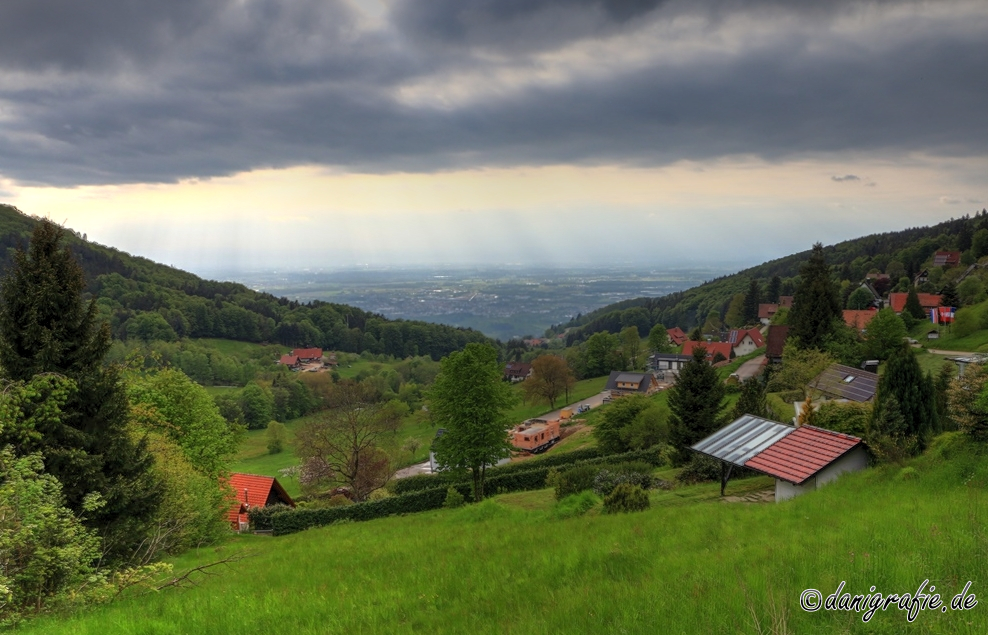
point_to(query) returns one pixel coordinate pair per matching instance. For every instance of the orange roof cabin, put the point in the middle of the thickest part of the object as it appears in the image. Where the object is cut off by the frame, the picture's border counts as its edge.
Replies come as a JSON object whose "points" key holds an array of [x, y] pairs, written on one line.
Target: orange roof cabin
{"points": [[713, 348], [946, 259], [252, 490], [858, 319], [308, 354], [926, 300], [535, 435], [676, 336]]}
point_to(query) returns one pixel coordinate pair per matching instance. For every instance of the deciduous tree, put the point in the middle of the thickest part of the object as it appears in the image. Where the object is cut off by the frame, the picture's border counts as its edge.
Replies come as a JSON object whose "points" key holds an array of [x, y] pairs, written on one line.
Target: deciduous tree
{"points": [[469, 400], [884, 335], [551, 378], [631, 347], [658, 339]]}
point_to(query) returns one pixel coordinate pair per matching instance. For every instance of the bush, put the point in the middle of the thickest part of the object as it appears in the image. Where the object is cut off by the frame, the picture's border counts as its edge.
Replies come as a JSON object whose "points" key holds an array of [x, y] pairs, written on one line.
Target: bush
{"points": [[700, 469], [260, 517], [275, 437], [454, 499], [576, 480], [626, 498], [607, 480]]}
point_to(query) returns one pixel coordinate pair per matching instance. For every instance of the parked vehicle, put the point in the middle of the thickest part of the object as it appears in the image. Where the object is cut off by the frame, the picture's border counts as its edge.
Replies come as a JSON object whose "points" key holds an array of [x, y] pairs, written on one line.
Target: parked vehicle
{"points": [[535, 435]]}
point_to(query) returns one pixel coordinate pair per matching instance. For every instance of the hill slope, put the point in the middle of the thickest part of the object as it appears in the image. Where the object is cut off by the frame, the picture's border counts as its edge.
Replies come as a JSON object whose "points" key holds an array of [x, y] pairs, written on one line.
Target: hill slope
{"points": [[908, 251], [146, 300]]}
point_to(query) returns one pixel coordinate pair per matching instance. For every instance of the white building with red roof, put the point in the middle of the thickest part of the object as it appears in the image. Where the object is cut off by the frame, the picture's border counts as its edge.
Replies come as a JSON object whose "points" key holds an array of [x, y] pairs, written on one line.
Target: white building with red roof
{"points": [[745, 341]]}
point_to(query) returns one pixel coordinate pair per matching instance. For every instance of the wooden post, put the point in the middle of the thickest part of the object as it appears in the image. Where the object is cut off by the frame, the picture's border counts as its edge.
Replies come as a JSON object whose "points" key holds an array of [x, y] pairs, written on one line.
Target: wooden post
{"points": [[725, 474]]}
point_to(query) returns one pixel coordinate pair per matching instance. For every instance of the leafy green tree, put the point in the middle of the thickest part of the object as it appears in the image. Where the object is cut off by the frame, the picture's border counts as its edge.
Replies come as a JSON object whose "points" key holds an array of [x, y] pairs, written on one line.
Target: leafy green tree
{"points": [[860, 299], [602, 355], [979, 243], [913, 307], [968, 404], [884, 335], [941, 389], [257, 405], [469, 400], [816, 304], [914, 394], [631, 423], [965, 322], [631, 347], [696, 334], [799, 367], [275, 437], [751, 300], [150, 326], [658, 339], [971, 291], [46, 328], [848, 417], [696, 404]]}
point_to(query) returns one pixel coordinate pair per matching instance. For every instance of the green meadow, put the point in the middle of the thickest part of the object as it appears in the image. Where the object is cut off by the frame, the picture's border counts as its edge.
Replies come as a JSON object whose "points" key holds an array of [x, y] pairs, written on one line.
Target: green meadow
{"points": [[522, 563]]}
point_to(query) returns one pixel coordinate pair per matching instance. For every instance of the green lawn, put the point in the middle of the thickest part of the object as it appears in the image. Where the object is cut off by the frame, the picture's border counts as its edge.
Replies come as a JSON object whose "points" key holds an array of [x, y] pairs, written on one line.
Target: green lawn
{"points": [[690, 564]]}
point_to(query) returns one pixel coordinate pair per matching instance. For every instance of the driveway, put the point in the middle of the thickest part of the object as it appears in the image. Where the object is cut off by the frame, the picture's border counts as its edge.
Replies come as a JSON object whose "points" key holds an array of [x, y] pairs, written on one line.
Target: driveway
{"points": [[751, 367], [593, 402]]}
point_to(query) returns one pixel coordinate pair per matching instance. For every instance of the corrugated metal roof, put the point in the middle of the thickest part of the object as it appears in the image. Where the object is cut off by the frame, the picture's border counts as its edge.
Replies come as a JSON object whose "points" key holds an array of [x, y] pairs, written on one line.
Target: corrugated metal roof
{"points": [[800, 455], [742, 439], [845, 382]]}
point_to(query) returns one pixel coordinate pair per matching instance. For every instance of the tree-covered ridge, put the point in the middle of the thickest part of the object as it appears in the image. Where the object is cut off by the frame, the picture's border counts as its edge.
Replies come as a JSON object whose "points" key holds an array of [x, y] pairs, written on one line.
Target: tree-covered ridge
{"points": [[143, 300], [902, 253]]}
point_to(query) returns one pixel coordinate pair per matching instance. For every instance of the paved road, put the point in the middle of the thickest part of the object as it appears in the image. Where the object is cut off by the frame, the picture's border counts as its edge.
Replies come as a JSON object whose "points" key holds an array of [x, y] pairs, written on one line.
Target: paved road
{"points": [[953, 353], [751, 368], [593, 402]]}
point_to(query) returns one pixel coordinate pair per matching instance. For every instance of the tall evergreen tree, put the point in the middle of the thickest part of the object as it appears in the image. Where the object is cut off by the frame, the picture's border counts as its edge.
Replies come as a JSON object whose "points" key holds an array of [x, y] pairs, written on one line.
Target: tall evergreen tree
{"points": [[948, 295], [913, 307], [751, 300], [816, 304], [774, 290], [46, 328], [964, 236], [695, 403], [914, 392]]}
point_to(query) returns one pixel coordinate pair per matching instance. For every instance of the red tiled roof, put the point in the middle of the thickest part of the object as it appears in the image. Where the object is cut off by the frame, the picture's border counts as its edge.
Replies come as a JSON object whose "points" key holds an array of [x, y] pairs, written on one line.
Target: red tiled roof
{"points": [[800, 455], [724, 348], [736, 335], [251, 490], [858, 319], [946, 258], [777, 334], [785, 301], [926, 300], [288, 360], [517, 369], [308, 353], [766, 311], [677, 335]]}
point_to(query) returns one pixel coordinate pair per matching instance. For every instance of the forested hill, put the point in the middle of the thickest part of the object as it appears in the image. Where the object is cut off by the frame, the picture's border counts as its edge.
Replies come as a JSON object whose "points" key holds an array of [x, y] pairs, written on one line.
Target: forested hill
{"points": [[900, 254], [149, 301]]}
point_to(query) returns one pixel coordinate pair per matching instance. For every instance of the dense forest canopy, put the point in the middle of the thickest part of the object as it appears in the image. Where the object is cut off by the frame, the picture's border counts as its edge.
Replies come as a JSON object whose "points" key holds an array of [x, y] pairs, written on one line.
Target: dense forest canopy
{"points": [[143, 300]]}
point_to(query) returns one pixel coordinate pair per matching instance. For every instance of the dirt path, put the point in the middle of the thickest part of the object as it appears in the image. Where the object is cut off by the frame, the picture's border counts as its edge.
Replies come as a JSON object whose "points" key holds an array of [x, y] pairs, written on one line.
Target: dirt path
{"points": [[751, 368], [761, 496]]}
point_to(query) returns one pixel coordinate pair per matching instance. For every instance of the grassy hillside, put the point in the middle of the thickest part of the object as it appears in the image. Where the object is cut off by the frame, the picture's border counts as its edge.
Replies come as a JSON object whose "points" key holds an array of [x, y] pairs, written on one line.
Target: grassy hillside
{"points": [[518, 564]]}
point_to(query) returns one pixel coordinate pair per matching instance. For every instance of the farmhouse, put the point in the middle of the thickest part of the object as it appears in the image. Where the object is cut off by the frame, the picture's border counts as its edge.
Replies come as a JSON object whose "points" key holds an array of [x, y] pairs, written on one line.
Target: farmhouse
{"points": [[713, 349], [744, 341], [766, 312], [291, 361], [676, 336], [251, 490], [843, 383], [808, 458], [517, 371], [622, 383], [308, 355]]}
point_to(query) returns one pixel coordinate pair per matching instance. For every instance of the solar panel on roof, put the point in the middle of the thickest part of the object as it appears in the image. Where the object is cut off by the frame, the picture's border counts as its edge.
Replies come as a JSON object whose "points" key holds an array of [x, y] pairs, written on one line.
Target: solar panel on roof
{"points": [[742, 439]]}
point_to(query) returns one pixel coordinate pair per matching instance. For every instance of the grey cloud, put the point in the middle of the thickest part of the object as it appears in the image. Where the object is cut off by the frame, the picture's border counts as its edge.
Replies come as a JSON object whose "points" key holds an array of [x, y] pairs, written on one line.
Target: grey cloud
{"points": [[209, 87], [845, 178]]}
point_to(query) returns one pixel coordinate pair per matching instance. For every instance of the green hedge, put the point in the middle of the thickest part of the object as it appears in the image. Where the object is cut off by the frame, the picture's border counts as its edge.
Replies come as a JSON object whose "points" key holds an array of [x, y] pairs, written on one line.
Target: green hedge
{"points": [[430, 481]]}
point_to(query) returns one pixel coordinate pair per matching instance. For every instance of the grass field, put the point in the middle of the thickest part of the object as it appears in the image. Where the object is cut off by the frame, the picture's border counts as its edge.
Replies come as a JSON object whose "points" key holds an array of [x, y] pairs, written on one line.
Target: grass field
{"points": [[581, 390], [691, 564]]}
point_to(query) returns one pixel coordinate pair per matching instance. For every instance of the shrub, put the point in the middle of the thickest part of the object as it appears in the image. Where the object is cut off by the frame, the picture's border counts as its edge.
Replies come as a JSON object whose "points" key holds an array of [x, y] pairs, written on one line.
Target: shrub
{"points": [[607, 480], [700, 468], [626, 498], [454, 499], [576, 480], [260, 517], [575, 505], [338, 500]]}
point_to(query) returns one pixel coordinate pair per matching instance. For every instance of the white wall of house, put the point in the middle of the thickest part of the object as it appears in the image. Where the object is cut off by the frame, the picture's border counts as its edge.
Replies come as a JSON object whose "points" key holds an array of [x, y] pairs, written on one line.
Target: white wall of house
{"points": [[745, 346], [854, 461]]}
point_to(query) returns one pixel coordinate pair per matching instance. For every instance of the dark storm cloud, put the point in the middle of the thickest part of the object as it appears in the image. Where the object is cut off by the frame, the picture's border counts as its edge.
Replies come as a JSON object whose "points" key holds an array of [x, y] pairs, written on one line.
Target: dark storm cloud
{"points": [[135, 91]]}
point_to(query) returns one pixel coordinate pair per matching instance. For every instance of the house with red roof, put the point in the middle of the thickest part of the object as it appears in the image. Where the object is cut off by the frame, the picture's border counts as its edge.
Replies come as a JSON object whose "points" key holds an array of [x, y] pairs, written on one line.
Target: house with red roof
{"points": [[744, 341], [808, 458], [676, 336], [946, 259], [291, 361], [713, 348], [776, 342], [306, 355], [858, 319], [252, 490], [517, 371], [926, 300], [766, 312]]}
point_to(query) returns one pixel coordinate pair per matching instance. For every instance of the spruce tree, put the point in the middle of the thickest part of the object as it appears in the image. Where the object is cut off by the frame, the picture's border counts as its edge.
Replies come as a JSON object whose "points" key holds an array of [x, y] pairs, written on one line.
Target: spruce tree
{"points": [[948, 296], [913, 391], [46, 328], [695, 402], [751, 300], [913, 307], [751, 400], [774, 290], [816, 304]]}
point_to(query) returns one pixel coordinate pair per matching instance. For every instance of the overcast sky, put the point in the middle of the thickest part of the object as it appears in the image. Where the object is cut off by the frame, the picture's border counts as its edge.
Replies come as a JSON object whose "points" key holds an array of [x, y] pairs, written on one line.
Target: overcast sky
{"points": [[217, 134]]}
